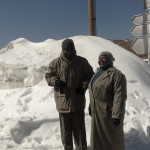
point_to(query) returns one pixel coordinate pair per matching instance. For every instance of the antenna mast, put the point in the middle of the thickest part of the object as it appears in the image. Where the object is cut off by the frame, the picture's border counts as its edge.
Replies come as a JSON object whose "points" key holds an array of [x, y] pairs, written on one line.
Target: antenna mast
{"points": [[92, 17]]}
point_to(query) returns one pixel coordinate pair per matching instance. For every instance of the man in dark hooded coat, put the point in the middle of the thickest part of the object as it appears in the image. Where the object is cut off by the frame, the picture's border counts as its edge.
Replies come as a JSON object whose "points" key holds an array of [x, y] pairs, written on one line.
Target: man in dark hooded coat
{"points": [[108, 94], [70, 75]]}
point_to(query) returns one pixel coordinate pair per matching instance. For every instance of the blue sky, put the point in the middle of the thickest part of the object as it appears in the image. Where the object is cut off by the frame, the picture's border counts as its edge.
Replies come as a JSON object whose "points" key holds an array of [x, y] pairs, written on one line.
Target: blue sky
{"points": [[38, 20]]}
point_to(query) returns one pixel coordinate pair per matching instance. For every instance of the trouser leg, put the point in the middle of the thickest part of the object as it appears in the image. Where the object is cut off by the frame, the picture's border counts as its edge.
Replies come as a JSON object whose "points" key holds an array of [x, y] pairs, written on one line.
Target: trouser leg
{"points": [[66, 130], [79, 131]]}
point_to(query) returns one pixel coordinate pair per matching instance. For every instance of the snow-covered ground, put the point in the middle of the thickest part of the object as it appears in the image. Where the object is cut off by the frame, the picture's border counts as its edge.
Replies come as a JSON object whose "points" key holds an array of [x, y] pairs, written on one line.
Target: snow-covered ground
{"points": [[28, 118]]}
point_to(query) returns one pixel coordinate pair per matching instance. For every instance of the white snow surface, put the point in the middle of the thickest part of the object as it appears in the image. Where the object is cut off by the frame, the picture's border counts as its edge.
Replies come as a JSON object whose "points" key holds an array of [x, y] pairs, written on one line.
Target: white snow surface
{"points": [[28, 117]]}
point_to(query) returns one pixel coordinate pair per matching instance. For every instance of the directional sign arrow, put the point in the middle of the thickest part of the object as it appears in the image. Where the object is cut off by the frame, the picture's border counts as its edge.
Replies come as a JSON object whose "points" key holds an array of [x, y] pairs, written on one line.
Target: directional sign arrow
{"points": [[141, 45], [140, 30], [141, 19]]}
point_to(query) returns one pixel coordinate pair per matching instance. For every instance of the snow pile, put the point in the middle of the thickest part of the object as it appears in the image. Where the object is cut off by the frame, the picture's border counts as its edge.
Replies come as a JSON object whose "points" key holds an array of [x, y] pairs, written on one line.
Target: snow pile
{"points": [[28, 118], [25, 58]]}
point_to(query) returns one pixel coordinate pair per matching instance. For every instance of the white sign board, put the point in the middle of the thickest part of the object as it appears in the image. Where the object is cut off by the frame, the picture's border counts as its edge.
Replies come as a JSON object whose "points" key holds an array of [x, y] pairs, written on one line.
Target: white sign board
{"points": [[140, 30], [141, 19], [140, 45]]}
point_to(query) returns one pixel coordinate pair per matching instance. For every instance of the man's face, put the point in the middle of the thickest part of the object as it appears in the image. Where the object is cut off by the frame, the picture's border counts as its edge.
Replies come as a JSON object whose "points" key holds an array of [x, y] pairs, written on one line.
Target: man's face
{"points": [[103, 61], [68, 53]]}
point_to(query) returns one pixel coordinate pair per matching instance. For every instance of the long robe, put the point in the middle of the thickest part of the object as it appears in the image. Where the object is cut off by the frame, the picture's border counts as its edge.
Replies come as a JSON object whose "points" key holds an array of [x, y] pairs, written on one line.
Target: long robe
{"points": [[107, 100]]}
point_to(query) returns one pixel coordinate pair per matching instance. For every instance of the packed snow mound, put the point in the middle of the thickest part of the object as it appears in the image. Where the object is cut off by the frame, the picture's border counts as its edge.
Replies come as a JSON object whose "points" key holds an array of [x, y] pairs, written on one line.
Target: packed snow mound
{"points": [[28, 117], [31, 59], [28, 59]]}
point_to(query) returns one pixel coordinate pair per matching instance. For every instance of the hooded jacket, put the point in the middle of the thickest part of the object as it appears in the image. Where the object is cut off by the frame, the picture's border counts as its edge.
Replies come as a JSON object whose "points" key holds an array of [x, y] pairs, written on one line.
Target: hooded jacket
{"points": [[75, 73]]}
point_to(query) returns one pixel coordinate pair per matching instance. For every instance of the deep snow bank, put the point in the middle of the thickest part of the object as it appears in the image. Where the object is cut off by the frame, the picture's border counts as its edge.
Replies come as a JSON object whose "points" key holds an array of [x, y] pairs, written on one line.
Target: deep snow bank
{"points": [[28, 118]]}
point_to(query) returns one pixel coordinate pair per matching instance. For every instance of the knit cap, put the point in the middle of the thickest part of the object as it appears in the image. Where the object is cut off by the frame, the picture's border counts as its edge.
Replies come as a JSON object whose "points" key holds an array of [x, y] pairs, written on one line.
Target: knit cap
{"points": [[68, 44]]}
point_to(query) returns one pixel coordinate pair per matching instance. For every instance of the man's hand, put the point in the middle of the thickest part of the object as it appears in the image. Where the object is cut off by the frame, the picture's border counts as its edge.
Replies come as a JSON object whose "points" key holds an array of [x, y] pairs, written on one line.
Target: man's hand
{"points": [[60, 84], [80, 91], [115, 121]]}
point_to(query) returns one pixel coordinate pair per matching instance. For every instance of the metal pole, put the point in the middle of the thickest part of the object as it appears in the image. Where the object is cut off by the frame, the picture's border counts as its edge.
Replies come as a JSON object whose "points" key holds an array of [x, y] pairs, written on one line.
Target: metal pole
{"points": [[145, 4], [148, 45], [148, 49], [92, 17]]}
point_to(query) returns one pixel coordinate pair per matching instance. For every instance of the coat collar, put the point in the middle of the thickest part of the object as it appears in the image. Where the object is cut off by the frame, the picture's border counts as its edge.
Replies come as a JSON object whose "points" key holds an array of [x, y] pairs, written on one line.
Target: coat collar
{"points": [[67, 60], [103, 76], [106, 73]]}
